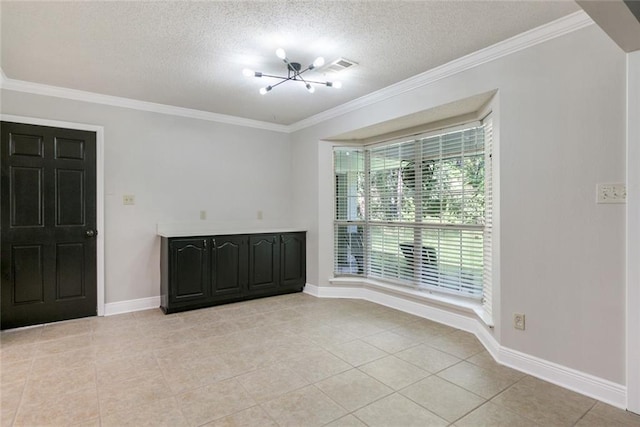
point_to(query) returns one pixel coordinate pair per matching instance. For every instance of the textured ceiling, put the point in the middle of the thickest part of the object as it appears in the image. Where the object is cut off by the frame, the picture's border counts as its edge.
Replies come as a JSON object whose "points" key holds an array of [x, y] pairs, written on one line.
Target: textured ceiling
{"points": [[191, 54]]}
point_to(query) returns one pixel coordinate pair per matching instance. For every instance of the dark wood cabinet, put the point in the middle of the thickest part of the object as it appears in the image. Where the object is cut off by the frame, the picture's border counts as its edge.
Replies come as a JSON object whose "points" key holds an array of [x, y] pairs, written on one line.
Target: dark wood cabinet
{"points": [[209, 270], [293, 259], [263, 263], [228, 274], [189, 270]]}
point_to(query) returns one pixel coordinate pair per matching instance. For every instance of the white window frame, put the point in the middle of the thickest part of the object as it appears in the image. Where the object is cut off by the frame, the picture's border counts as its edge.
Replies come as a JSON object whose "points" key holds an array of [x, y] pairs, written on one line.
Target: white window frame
{"points": [[484, 309]]}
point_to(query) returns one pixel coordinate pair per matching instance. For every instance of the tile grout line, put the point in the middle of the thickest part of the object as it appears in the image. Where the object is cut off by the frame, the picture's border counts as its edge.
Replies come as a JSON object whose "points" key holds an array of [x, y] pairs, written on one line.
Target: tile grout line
{"points": [[440, 416], [471, 391], [174, 396], [24, 389], [95, 368], [586, 412], [508, 409], [361, 407]]}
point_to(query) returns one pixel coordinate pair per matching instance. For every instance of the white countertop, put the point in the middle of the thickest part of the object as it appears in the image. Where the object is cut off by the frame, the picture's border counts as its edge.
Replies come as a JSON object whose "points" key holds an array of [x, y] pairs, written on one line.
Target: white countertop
{"points": [[202, 228]]}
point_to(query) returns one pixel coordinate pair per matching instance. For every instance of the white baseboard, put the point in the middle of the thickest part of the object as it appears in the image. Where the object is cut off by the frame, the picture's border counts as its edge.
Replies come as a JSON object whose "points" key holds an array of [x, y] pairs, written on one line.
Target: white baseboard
{"points": [[437, 314], [580, 382], [128, 306]]}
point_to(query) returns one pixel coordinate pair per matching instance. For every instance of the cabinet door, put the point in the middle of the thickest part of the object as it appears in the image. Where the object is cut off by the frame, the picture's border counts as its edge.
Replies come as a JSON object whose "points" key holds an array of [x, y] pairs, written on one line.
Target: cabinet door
{"points": [[228, 266], [293, 260], [264, 260], [189, 267]]}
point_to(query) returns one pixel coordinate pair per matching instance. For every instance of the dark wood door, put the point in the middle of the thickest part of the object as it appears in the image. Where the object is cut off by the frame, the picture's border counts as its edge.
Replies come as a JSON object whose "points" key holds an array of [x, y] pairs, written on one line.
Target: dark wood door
{"points": [[293, 260], [229, 256], [48, 224], [264, 262], [189, 270]]}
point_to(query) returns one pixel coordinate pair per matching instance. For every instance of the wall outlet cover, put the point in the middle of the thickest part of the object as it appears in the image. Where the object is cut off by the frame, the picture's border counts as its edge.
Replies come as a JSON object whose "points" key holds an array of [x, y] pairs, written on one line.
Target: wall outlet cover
{"points": [[611, 193], [518, 321]]}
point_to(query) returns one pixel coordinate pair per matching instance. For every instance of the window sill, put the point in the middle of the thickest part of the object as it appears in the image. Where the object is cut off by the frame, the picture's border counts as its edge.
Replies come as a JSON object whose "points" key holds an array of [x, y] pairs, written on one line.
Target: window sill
{"points": [[455, 302]]}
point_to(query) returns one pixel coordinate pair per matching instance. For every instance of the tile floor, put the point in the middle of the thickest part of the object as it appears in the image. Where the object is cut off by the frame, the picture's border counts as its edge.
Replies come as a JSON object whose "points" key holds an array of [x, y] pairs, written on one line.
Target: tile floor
{"points": [[293, 360]]}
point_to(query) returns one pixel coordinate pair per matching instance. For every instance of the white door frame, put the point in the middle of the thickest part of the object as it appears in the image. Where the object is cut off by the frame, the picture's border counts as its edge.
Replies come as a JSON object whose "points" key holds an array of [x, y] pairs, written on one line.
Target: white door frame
{"points": [[99, 130], [633, 232]]}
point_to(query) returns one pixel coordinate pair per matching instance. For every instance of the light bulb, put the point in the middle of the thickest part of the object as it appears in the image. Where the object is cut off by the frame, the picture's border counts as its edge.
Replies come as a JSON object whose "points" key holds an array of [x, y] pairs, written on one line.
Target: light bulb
{"points": [[319, 62], [264, 90], [310, 88], [250, 73], [280, 53], [337, 85]]}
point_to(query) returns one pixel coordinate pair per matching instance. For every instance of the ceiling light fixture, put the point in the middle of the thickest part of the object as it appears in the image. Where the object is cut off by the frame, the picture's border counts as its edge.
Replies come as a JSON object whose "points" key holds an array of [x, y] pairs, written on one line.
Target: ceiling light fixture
{"points": [[294, 73]]}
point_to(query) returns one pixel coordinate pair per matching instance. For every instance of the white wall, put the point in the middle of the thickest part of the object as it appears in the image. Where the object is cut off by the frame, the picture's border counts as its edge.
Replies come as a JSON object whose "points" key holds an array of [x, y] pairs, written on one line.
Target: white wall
{"points": [[562, 130], [175, 167], [633, 231]]}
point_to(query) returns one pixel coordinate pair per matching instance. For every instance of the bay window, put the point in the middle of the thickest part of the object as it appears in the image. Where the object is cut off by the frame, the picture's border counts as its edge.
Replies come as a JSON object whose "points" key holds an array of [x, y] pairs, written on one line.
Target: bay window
{"points": [[416, 211]]}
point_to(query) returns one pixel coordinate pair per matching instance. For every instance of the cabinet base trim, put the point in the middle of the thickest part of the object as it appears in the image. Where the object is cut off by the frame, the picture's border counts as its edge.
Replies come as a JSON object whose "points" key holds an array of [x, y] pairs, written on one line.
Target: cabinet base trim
{"points": [[131, 305], [186, 307]]}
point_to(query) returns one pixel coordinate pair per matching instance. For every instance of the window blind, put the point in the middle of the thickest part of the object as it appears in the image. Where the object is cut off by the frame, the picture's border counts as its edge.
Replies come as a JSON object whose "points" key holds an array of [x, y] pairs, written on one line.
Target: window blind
{"points": [[421, 211], [487, 283], [349, 167]]}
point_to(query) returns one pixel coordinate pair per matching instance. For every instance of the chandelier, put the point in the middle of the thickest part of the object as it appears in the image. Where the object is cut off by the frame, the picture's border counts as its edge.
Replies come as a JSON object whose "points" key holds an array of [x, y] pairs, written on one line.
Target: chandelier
{"points": [[294, 74]]}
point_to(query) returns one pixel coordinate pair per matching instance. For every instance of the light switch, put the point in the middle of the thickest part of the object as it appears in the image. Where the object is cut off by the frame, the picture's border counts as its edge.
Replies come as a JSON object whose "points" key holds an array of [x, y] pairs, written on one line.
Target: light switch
{"points": [[611, 193]]}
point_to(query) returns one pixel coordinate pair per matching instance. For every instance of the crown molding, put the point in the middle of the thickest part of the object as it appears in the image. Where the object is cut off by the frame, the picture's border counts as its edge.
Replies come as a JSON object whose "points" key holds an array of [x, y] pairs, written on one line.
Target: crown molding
{"points": [[116, 101], [541, 34], [557, 28]]}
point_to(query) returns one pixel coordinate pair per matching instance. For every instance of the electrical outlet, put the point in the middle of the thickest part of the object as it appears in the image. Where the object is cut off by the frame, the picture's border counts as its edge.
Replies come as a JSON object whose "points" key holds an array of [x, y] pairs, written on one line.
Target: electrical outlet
{"points": [[518, 321], [128, 199], [611, 193]]}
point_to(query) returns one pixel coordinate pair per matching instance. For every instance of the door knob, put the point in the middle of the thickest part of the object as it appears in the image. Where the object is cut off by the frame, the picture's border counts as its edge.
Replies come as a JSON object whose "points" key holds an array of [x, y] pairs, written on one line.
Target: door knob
{"points": [[91, 233]]}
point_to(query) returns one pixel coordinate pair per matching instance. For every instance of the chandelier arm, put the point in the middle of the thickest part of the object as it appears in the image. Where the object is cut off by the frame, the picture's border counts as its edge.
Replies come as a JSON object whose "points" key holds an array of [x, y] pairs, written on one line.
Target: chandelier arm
{"points": [[294, 78], [282, 79], [301, 80], [304, 71], [279, 83], [298, 74], [276, 77], [318, 83]]}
